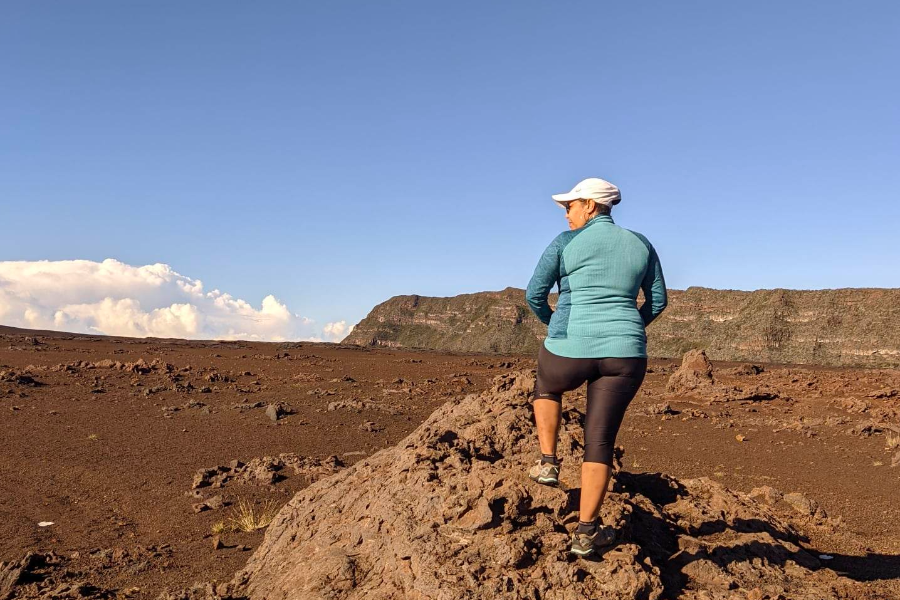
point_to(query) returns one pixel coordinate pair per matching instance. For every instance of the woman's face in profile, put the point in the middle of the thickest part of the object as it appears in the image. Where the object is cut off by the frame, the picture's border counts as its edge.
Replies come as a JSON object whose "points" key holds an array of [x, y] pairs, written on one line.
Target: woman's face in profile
{"points": [[577, 212]]}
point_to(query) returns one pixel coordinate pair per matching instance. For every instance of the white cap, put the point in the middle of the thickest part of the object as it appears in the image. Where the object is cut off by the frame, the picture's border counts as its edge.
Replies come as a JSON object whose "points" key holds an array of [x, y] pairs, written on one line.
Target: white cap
{"points": [[592, 188]]}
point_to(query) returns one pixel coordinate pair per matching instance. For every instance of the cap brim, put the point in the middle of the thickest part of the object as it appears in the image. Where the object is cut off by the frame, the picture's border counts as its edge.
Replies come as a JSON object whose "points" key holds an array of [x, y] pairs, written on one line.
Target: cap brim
{"points": [[563, 199]]}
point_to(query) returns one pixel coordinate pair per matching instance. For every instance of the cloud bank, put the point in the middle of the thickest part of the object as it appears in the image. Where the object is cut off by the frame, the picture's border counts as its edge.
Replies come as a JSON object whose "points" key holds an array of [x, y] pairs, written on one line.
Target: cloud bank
{"points": [[114, 298]]}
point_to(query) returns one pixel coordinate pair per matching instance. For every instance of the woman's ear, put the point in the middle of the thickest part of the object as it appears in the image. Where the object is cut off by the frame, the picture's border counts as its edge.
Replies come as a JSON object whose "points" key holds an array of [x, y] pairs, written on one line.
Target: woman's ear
{"points": [[590, 206]]}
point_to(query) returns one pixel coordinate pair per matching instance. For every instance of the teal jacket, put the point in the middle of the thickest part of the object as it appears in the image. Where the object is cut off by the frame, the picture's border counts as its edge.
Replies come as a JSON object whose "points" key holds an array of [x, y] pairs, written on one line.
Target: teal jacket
{"points": [[598, 269]]}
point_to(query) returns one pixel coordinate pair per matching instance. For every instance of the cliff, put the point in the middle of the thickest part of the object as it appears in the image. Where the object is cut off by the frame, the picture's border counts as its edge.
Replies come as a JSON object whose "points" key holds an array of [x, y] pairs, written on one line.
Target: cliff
{"points": [[850, 326]]}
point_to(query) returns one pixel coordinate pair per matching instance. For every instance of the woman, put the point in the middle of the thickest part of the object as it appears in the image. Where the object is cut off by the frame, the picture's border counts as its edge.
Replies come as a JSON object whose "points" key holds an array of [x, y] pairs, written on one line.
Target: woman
{"points": [[595, 335]]}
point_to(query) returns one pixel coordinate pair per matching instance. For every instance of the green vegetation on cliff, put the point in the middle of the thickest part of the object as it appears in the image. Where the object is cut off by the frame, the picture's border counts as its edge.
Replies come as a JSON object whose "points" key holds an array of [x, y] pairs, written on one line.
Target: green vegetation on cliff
{"points": [[850, 326]]}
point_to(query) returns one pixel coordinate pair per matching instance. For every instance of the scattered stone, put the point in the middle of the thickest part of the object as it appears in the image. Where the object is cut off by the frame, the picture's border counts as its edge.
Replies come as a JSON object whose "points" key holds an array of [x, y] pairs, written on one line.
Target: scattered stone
{"points": [[278, 410], [216, 377], [766, 494], [748, 369], [248, 406], [358, 405], [872, 427], [320, 392], [139, 367], [214, 503], [307, 377], [884, 393], [19, 379], [854, 405], [370, 426], [664, 408], [46, 575], [753, 393], [106, 364], [804, 506], [217, 543], [267, 470]]}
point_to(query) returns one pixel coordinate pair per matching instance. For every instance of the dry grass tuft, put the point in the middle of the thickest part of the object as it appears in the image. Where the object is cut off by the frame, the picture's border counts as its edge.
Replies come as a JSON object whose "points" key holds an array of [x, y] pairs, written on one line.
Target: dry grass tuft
{"points": [[246, 517], [893, 440], [219, 527]]}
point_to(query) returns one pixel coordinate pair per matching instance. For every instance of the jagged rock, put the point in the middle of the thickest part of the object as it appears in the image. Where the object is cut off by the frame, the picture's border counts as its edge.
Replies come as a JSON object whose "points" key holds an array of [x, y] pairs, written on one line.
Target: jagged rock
{"points": [[803, 505], [663, 408], [449, 513], [106, 364], [274, 412], [202, 591], [248, 406], [766, 494], [19, 379], [140, 367], [883, 393], [212, 503], [747, 369], [872, 427], [44, 575], [695, 372], [755, 393], [266, 470]]}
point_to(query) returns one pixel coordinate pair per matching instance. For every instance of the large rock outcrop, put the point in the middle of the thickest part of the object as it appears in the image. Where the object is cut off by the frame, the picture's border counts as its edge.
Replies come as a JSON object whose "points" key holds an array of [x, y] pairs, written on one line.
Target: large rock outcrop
{"points": [[449, 513], [851, 326], [695, 372]]}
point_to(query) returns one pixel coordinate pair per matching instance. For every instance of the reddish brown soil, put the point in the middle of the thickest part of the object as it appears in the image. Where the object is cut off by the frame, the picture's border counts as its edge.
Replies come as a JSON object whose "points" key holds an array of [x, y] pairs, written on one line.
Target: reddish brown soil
{"points": [[112, 465]]}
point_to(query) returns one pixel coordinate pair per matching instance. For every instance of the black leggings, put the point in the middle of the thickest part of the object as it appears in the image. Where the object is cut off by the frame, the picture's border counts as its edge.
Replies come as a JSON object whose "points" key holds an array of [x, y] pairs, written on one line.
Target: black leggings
{"points": [[612, 383]]}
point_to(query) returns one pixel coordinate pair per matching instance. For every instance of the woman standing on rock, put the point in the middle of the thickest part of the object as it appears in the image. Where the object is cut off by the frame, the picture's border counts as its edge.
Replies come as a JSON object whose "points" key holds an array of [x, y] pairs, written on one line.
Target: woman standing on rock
{"points": [[595, 335]]}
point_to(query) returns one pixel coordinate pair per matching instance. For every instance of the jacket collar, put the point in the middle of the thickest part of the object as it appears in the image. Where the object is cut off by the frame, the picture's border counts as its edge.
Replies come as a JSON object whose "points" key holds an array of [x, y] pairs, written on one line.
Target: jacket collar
{"points": [[603, 218]]}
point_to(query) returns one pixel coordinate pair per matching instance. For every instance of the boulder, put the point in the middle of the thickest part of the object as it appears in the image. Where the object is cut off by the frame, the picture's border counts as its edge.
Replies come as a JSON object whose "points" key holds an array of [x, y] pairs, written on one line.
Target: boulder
{"points": [[695, 372]]}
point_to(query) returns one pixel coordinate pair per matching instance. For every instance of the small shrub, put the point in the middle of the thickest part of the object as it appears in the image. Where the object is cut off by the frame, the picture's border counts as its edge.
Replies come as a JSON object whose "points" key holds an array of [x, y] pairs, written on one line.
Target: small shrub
{"points": [[245, 517], [219, 527], [893, 440]]}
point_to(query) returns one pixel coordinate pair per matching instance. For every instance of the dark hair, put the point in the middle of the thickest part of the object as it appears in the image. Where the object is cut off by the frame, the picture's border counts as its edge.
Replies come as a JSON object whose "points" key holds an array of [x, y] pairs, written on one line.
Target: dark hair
{"points": [[602, 209]]}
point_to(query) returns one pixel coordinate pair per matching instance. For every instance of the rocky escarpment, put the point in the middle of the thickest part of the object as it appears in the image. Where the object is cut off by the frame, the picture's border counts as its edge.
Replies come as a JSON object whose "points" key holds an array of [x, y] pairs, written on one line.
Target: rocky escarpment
{"points": [[852, 326], [450, 513]]}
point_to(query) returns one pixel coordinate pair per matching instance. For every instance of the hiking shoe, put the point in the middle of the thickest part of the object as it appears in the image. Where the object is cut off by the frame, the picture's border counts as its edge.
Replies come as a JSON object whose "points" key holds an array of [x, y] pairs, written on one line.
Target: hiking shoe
{"points": [[544, 473], [585, 545]]}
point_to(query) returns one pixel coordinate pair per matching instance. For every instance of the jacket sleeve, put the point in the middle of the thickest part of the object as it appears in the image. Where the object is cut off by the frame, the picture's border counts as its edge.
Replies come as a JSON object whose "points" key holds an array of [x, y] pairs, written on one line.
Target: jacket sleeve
{"points": [[654, 287], [546, 274]]}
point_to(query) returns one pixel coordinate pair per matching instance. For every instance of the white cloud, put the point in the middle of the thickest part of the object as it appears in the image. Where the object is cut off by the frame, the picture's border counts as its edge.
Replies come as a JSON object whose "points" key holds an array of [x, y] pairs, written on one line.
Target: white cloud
{"points": [[337, 331], [114, 298]]}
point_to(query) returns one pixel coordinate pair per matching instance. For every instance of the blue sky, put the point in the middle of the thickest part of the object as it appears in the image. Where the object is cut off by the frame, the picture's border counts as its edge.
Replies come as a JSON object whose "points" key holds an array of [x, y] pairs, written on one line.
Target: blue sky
{"points": [[334, 154]]}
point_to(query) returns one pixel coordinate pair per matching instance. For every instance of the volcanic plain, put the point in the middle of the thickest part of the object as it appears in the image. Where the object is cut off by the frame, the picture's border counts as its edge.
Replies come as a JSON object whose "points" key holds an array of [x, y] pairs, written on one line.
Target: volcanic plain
{"points": [[130, 466]]}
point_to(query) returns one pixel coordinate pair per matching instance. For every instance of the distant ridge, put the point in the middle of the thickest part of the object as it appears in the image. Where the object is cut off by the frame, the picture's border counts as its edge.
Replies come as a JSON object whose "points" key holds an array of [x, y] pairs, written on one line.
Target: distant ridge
{"points": [[848, 326]]}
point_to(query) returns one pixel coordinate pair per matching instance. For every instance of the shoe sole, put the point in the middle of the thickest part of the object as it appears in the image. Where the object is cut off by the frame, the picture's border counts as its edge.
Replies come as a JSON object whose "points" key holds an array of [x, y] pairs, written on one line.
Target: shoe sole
{"points": [[545, 481], [592, 549]]}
